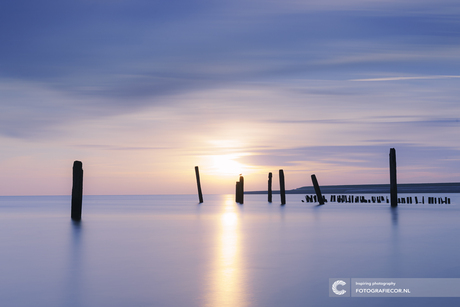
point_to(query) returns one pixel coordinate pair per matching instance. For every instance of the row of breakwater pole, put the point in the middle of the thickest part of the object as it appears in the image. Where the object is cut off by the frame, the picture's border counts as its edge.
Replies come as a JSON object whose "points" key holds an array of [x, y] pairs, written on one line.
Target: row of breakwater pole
{"points": [[77, 187], [320, 198], [393, 183], [347, 198], [282, 187], [239, 189]]}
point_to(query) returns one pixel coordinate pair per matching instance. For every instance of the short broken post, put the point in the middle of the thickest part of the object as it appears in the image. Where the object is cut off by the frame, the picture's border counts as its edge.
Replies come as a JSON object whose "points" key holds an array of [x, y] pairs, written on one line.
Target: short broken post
{"points": [[237, 192], [319, 196], [198, 184], [393, 181], [270, 187], [241, 190], [77, 191], [282, 188]]}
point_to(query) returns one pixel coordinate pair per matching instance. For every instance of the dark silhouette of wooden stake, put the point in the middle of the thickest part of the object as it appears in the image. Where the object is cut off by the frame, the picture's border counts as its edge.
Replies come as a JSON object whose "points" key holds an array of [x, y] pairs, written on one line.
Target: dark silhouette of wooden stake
{"points": [[237, 192], [198, 184], [77, 190], [270, 187], [282, 188], [319, 196], [240, 190], [393, 181]]}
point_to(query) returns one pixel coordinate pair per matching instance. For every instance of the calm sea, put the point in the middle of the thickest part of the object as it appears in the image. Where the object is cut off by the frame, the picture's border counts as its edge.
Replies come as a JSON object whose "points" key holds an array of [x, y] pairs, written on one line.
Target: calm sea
{"points": [[171, 251]]}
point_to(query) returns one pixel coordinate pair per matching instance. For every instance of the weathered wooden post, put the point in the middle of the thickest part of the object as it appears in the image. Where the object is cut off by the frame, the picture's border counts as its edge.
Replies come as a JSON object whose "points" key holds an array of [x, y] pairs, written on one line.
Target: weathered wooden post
{"points": [[198, 184], [241, 190], [282, 188], [270, 187], [237, 192], [393, 181], [319, 196], [77, 190]]}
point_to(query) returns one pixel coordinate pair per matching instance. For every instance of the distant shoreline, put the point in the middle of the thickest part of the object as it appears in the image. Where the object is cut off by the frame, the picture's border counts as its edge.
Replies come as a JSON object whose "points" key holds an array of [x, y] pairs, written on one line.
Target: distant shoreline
{"points": [[451, 187]]}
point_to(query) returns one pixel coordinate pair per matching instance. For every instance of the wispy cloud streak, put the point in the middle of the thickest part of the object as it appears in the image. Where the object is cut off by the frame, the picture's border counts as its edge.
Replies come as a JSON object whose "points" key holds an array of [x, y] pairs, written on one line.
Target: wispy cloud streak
{"points": [[406, 78]]}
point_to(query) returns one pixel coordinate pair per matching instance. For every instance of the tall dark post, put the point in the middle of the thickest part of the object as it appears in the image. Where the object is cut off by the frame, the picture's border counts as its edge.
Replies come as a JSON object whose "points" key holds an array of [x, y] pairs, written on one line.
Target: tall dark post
{"points": [[282, 188], [77, 190], [393, 181], [270, 187], [198, 184], [319, 196]]}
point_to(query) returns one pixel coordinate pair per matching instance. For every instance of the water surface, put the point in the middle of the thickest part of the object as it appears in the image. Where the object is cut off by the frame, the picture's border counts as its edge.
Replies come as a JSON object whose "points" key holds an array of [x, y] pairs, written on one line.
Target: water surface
{"points": [[172, 251]]}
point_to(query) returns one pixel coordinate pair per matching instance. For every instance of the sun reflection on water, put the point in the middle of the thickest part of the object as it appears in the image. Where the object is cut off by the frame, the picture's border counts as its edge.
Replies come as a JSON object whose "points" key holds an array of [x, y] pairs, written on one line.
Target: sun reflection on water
{"points": [[227, 288]]}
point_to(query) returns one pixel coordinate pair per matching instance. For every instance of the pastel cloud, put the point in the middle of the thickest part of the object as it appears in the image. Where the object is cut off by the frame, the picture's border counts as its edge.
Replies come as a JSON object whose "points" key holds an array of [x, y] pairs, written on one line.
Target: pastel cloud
{"points": [[280, 83]]}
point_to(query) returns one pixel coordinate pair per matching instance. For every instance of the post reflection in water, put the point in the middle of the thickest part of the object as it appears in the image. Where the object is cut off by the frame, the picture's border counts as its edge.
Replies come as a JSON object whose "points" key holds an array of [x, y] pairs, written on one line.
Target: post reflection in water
{"points": [[227, 287], [74, 285]]}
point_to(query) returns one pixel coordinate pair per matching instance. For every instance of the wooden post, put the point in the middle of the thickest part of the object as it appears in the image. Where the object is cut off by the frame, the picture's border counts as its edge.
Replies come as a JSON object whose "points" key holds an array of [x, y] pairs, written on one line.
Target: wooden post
{"points": [[77, 190], [237, 192], [319, 196], [270, 187], [198, 184], [241, 190], [393, 181], [282, 188]]}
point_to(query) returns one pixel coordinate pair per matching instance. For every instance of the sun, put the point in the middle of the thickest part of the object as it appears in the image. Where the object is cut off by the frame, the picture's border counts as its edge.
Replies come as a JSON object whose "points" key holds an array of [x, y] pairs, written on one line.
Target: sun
{"points": [[226, 165]]}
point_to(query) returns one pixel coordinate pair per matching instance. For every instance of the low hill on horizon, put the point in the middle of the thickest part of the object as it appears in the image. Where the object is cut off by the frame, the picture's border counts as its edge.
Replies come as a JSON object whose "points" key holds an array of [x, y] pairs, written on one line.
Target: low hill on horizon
{"points": [[450, 187]]}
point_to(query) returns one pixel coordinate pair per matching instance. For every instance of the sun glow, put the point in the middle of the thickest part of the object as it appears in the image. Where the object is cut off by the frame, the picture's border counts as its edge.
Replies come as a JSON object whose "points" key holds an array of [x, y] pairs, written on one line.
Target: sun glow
{"points": [[225, 165]]}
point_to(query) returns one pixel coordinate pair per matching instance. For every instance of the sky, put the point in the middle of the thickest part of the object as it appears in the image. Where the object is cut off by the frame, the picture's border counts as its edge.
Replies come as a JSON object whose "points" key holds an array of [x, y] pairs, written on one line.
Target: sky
{"points": [[142, 91]]}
